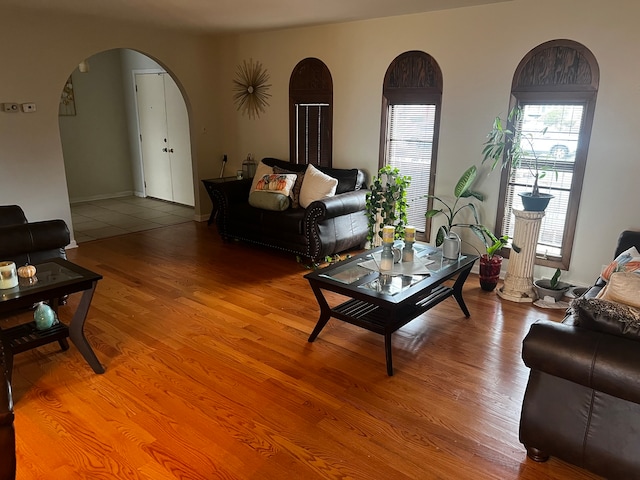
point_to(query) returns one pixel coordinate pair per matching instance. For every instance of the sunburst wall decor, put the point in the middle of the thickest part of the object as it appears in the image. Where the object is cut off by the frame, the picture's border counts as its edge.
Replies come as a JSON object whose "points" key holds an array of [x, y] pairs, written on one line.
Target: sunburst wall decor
{"points": [[251, 88]]}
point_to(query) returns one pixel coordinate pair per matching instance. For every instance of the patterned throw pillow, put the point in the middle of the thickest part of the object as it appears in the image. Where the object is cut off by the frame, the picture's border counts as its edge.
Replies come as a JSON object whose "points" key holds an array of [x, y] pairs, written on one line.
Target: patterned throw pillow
{"points": [[609, 317], [294, 194], [262, 170], [277, 183], [627, 261]]}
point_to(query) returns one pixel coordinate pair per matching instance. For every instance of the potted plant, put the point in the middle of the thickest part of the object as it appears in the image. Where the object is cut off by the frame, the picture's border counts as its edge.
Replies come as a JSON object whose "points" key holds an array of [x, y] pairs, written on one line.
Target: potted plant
{"points": [[551, 287], [445, 236], [386, 204], [513, 149], [491, 261]]}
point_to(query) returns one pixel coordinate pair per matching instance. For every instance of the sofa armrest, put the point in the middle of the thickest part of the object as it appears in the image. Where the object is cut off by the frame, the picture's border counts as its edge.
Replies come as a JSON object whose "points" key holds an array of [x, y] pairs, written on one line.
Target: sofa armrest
{"points": [[596, 360], [33, 237], [338, 205]]}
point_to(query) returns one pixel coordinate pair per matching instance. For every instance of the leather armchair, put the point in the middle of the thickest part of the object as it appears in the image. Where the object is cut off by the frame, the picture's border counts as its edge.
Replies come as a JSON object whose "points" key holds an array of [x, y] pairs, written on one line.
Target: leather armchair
{"points": [[30, 242], [582, 401]]}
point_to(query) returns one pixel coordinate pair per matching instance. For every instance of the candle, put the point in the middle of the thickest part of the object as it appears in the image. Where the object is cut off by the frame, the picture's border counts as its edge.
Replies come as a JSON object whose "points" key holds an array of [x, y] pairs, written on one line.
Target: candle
{"points": [[410, 233], [8, 275], [388, 232]]}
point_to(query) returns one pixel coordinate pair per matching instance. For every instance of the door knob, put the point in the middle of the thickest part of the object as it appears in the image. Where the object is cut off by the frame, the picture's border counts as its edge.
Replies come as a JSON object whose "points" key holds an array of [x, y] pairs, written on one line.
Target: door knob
{"points": [[171, 150], [164, 149]]}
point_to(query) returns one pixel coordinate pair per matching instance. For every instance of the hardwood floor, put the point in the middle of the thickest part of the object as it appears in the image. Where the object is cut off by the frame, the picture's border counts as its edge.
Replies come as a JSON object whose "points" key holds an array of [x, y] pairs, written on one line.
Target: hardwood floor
{"points": [[209, 375]]}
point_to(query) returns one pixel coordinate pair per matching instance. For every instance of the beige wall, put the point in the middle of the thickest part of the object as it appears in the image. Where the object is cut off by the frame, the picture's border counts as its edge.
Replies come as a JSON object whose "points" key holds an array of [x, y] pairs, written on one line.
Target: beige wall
{"points": [[477, 48], [95, 142]]}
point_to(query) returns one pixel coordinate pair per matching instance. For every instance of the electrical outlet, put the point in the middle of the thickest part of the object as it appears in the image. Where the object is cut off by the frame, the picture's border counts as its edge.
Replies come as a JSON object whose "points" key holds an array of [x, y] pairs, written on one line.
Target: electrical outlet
{"points": [[28, 107], [10, 107]]}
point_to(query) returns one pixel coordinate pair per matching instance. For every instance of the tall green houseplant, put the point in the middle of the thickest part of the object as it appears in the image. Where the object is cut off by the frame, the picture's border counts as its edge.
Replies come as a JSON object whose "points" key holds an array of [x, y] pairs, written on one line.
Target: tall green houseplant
{"points": [[508, 146], [461, 191], [386, 203]]}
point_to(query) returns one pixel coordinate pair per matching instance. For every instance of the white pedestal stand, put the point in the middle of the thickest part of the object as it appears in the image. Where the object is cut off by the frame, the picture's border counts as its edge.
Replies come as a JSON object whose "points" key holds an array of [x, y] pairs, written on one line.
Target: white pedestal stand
{"points": [[518, 282]]}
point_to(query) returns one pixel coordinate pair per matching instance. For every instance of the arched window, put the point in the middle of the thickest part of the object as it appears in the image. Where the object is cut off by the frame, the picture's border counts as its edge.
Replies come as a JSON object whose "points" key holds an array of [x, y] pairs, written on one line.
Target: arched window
{"points": [[411, 100], [555, 85], [311, 113]]}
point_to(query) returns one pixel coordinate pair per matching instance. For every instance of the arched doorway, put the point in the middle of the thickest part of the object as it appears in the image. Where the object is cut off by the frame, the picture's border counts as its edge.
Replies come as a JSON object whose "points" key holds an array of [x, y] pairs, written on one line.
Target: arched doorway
{"points": [[105, 162]]}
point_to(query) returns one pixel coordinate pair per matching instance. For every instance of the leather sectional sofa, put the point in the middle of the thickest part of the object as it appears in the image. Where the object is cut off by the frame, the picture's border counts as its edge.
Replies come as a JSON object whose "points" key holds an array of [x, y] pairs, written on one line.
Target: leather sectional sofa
{"points": [[582, 401], [325, 227], [21, 242]]}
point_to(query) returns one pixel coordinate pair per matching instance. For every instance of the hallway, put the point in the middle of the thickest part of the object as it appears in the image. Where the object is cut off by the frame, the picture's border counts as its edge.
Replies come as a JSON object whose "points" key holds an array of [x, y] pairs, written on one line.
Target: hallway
{"points": [[117, 216]]}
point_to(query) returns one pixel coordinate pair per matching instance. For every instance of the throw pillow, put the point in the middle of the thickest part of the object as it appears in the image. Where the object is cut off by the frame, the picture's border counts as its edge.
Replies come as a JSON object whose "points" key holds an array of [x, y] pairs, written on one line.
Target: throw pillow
{"points": [[608, 317], [267, 200], [316, 186], [627, 261], [623, 287], [276, 183], [347, 179], [294, 194], [261, 170]]}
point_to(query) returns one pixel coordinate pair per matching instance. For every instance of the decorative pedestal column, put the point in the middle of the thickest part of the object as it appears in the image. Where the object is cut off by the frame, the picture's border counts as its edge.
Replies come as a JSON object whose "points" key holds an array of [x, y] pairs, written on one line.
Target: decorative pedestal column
{"points": [[518, 282]]}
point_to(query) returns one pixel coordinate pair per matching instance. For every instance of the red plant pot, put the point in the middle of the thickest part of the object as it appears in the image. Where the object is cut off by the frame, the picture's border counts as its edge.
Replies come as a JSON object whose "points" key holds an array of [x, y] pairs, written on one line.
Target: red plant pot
{"points": [[489, 271]]}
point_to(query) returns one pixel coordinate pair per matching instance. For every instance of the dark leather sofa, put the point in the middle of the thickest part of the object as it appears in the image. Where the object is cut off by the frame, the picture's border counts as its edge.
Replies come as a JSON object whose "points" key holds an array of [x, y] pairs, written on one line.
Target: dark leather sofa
{"points": [[30, 242], [582, 401], [325, 227], [7, 432], [21, 242]]}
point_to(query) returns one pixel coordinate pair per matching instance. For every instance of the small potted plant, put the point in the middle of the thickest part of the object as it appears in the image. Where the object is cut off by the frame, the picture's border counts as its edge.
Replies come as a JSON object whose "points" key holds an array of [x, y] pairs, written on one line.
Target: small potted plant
{"points": [[461, 190], [490, 262], [551, 287], [386, 204], [513, 149]]}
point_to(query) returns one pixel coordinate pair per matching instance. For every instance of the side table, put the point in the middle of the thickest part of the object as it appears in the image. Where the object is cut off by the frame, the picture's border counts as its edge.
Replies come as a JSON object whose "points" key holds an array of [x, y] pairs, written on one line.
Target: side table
{"points": [[212, 185]]}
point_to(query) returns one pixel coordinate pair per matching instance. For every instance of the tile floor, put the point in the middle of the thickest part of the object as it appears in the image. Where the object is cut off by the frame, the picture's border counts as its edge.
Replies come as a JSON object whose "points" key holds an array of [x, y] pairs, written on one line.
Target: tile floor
{"points": [[117, 216]]}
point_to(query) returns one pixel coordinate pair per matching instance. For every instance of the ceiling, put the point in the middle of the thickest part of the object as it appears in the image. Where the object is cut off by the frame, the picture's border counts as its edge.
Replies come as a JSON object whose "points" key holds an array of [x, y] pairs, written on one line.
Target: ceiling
{"points": [[219, 16]]}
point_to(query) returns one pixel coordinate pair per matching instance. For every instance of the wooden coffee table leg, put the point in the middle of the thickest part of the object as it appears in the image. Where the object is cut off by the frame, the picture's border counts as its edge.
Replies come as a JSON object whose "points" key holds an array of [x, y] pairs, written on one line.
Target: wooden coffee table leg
{"points": [[387, 351], [325, 313], [76, 330], [457, 290]]}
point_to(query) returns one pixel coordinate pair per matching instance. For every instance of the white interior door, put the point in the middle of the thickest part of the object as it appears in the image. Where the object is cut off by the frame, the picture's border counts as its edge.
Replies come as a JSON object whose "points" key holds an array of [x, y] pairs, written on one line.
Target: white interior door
{"points": [[179, 143], [154, 136], [165, 139]]}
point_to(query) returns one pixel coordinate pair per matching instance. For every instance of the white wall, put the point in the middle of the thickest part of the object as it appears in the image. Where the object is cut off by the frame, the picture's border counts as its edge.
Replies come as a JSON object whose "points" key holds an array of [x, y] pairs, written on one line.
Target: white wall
{"points": [[477, 48]]}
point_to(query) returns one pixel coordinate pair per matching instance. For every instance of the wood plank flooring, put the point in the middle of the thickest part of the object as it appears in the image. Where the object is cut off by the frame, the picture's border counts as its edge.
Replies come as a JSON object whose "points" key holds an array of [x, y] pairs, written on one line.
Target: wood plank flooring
{"points": [[209, 375]]}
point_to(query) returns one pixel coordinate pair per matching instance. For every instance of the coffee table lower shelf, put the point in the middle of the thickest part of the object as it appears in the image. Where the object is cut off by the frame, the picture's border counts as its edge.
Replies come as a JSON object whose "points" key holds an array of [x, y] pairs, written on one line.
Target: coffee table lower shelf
{"points": [[376, 319], [26, 336]]}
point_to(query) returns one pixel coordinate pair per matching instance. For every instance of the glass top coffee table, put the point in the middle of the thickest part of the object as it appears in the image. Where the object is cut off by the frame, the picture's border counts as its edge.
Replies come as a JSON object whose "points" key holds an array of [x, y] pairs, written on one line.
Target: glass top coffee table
{"points": [[383, 303], [56, 278]]}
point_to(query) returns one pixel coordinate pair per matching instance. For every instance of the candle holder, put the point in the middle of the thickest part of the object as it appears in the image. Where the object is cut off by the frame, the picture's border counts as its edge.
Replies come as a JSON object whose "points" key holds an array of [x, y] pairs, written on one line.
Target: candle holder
{"points": [[408, 252]]}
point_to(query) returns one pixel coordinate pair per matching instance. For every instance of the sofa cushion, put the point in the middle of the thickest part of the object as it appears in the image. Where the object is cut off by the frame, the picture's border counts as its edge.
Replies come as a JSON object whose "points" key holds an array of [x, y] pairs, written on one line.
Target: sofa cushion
{"points": [[268, 200], [608, 317], [316, 186], [623, 287], [627, 261]]}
